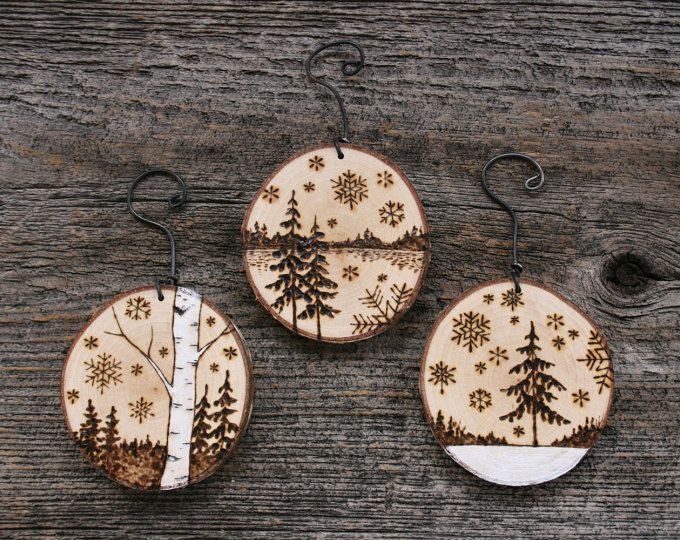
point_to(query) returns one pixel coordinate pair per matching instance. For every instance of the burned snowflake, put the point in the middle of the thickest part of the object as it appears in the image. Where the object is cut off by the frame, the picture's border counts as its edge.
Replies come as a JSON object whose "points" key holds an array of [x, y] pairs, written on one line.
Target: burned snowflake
{"points": [[91, 342], [214, 367], [480, 367], [332, 223], [470, 330], [141, 409], [139, 307], [271, 194], [163, 352], [210, 321], [480, 399], [573, 334], [488, 298], [136, 370], [309, 186], [555, 320], [581, 397], [105, 371], [316, 163], [518, 431], [498, 355], [392, 213], [385, 179], [558, 342], [350, 272], [230, 353], [512, 299], [72, 396], [350, 189], [382, 277], [441, 375], [514, 320]]}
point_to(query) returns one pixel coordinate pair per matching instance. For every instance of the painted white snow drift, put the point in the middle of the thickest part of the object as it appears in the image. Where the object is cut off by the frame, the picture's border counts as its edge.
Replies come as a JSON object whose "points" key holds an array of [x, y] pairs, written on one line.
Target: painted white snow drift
{"points": [[516, 465]]}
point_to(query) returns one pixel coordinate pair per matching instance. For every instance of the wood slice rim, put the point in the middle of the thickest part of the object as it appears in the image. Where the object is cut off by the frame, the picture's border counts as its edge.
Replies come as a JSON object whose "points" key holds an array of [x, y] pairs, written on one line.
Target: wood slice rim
{"points": [[426, 252], [247, 363]]}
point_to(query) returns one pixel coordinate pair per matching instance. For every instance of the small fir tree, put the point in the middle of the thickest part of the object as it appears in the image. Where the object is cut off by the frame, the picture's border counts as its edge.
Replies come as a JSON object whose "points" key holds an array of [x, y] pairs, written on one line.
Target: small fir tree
{"points": [[201, 430], [109, 439], [88, 433], [221, 417]]}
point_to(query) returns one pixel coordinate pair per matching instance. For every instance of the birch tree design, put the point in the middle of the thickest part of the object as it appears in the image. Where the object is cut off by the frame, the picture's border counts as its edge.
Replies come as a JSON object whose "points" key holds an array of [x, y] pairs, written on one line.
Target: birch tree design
{"points": [[179, 347]]}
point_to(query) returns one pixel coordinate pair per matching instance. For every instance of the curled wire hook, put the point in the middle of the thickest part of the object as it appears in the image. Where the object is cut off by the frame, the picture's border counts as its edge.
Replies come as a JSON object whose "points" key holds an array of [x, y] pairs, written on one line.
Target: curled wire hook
{"points": [[349, 67], [530, 184], [175, 201]]}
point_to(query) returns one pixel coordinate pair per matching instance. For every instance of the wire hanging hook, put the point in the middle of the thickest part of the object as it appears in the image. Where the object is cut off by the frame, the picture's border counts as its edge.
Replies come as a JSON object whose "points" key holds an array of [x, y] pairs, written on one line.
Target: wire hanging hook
{"points": [[175, 201], [349, 67], [530, 184]]}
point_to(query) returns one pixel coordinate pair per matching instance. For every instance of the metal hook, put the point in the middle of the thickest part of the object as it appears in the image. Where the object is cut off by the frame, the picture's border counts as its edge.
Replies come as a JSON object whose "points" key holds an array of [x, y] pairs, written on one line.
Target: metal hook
{"points": [[516, 267], [349, 67], [177, 200]]}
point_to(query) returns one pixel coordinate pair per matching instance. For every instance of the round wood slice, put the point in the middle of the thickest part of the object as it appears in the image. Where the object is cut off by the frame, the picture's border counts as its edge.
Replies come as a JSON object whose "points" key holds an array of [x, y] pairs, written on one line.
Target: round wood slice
{"points": [[157, 393], [516, 386], [336, 249]]}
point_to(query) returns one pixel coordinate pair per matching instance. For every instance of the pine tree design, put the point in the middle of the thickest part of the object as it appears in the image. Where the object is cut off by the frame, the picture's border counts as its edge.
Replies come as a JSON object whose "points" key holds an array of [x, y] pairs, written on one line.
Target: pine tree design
{"points": [[201, 429], [319, 285], [598, 361], [110, 437], [89, 430], [384, 310], [221, 416], [290, 281], [532, 394]]}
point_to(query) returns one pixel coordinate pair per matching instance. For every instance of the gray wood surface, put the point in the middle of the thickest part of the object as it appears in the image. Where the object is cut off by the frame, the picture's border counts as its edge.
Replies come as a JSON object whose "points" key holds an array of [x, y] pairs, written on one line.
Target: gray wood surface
{"points": [[90, 95]]}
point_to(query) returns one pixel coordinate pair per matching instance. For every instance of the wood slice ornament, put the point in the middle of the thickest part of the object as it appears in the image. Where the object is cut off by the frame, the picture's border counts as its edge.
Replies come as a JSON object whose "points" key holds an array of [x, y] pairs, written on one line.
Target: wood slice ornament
{"points": [[336, 241], [336, 249], [516, 381]]}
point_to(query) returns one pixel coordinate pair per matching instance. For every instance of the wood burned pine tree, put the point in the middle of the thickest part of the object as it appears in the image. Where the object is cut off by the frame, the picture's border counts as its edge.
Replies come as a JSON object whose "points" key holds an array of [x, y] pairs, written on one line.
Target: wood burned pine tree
{"points": [[181, 387], [109, 439], [201, 429], [290, 280], [221, 417], [533, 393], [88, 433], [319, 285]]}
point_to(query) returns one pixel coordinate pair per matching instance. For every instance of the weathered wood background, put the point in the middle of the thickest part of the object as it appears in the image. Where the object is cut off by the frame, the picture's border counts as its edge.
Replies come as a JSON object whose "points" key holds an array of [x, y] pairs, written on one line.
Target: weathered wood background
{"points": [[337, 446]]}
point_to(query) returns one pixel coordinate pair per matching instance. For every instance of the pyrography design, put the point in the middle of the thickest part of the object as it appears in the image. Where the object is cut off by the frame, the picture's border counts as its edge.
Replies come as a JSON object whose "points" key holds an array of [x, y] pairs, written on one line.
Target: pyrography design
{"points": [[392, 213], [512, 299], [138, 308], [480, 399], [104, 371], [350, 189], [442, 375], [470, 330], [598, 361]]}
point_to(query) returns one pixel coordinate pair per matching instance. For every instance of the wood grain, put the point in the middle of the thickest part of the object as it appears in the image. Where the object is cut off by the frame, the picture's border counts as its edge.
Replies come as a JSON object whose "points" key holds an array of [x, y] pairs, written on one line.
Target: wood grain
{"points": [[90, 95]]}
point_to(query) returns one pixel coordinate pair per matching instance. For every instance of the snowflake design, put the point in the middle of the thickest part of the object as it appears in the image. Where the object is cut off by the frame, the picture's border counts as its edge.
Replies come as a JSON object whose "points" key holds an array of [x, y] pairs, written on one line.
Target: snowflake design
{"points": [[214, 367], [488, 298], [210, 321], [332, 223], [350, 189], [91, 342], [558, 342], [514, 320], [498, 355], [470, 330], [271, 194], [139, 307], [382, 277], [104, 372], [441, 375], [309, 187], [230, 353], [316, 163], [141, 409], [573, 334], [512, 299], [392, 213], [555, 320], [480, 367], [136, 370], [163, 352], [581, 397], [518, 431], [350, 272], [598, 361], [73, 396], [480, 399], [385, 179]]}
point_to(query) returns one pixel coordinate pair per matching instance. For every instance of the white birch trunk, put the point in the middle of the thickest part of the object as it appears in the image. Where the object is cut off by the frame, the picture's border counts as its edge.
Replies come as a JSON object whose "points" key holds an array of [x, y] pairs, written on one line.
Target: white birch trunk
{"points": [[185, 323]]}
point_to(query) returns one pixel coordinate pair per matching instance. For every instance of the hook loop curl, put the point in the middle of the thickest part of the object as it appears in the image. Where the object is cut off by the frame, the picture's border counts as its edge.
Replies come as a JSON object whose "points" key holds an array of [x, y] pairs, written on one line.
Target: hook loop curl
{"points": [[532, 183], [349, 68], [175, 201]]}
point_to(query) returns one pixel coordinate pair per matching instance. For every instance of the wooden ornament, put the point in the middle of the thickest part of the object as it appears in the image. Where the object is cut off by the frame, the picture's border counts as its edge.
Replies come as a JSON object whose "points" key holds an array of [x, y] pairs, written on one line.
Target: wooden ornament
{"points": [[336, 249], [156, 393], [516, 386]]}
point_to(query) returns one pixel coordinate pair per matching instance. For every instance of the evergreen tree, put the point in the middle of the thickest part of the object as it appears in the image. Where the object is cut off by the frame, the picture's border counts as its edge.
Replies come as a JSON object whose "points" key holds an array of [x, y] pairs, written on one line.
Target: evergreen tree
{"points": [[89, 430], [533, 392], [291, 266], [201, 429], [110, 437], [317, 280], [221, 416]]}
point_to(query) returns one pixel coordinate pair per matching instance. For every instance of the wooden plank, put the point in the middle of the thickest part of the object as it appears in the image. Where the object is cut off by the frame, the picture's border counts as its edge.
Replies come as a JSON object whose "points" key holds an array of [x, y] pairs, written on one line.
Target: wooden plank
{"points": [[90, 95]]}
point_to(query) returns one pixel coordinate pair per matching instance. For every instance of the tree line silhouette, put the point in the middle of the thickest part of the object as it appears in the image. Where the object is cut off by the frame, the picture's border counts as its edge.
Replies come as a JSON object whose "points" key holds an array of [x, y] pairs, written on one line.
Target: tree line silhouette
{"points": [[141, 463]]}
